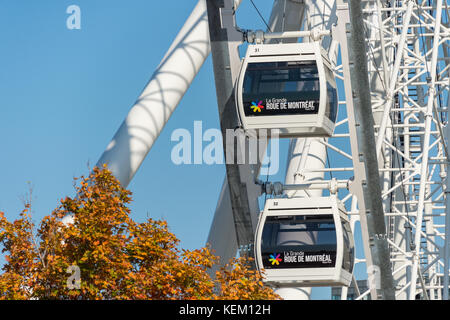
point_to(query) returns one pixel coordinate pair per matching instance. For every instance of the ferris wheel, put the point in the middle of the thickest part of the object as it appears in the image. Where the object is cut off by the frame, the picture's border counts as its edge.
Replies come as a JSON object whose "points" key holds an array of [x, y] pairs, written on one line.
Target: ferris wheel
{"points": [[362, 90]]}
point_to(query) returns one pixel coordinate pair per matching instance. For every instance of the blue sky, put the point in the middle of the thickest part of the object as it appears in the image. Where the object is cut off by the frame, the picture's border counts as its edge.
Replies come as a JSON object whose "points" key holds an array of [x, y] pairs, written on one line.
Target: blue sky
{"points": [[64, 94]]}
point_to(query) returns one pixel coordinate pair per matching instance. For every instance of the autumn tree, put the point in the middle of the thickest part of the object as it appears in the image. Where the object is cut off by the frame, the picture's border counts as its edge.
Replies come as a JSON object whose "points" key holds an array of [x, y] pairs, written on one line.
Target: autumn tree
{"points": [[117, 257]]}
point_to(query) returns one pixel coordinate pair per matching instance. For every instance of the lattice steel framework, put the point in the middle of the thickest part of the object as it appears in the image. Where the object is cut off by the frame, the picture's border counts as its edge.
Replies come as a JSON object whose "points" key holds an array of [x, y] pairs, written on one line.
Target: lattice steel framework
{"points": [[408, 54]]}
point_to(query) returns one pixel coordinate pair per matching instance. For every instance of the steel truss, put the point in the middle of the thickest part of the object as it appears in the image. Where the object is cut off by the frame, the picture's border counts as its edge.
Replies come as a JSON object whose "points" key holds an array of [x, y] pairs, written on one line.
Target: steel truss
{"points": [[407, 50]]}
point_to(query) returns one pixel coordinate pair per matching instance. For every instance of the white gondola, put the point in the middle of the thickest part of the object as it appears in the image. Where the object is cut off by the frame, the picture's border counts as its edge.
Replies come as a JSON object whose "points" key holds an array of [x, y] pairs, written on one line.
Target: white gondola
{"points": [[289, 87], [305, 242]]}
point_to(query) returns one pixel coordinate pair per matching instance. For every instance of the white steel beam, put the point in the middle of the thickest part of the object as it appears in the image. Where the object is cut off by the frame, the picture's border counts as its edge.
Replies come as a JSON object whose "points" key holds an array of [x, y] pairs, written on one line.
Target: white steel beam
{"points": [[446, 248], [394, 75], [167, 86], [424, 164]]}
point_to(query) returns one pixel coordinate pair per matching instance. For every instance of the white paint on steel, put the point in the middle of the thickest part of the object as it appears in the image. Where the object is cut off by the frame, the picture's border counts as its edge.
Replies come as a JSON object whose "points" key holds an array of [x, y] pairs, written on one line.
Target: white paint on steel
{"points": [[170, 81]]}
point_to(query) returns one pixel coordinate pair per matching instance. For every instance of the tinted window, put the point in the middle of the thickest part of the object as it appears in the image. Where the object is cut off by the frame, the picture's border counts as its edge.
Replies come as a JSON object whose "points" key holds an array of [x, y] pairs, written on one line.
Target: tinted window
{"points": [[299, 241], [349, 251], [332, 103], [277, 88], [332, 98], [281, 77]]}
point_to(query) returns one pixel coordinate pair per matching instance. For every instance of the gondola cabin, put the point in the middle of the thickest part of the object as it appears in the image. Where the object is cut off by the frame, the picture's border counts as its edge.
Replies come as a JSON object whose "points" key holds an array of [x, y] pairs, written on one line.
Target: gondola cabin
{"points": [[305, 242], [290, 87]]}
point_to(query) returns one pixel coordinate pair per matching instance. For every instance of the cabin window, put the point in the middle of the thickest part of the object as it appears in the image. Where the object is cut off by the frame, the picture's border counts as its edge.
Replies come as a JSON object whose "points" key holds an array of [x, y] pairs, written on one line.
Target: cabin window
{"points": [[281, 88], [307, 241]]}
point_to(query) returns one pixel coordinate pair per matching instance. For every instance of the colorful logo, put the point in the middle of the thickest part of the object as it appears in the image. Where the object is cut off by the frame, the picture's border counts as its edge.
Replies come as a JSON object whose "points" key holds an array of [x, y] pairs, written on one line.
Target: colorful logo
{"points": [[257, 107], [275, 259]]}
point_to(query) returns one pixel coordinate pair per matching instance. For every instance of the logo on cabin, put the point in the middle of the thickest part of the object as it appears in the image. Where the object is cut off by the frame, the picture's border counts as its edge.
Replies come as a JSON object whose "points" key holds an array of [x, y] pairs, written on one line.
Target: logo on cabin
{"points": [[275, 259], [257, 107]]}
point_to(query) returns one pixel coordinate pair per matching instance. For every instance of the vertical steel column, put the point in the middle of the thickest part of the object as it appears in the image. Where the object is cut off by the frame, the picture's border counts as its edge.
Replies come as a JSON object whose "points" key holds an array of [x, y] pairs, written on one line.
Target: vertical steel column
{"points": [[340, 33], [426, 145], [392, 81], [372, 189], [446, 255], [225, 40]]}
